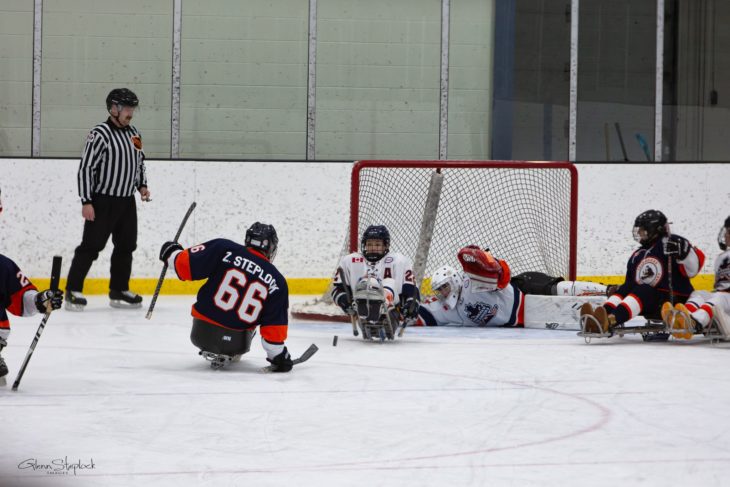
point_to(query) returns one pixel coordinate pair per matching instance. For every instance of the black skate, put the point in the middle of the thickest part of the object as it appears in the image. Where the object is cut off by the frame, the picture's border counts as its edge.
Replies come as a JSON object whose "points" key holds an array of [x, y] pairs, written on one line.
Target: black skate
{"points": [[124, 299], [3, 365], [75, 301]]}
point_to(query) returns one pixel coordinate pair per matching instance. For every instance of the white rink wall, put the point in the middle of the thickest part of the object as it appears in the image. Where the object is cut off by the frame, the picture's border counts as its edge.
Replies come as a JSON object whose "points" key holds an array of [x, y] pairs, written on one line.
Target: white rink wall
{"points": [[308, 203]]}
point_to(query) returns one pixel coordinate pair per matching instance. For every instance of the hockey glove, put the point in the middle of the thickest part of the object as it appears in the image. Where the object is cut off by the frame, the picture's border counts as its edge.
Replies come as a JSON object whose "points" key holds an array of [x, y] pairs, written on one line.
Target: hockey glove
{"points": [[168, 248], [676, 245], [410, 308], [344, 303], [282, 362], [48, 300]]}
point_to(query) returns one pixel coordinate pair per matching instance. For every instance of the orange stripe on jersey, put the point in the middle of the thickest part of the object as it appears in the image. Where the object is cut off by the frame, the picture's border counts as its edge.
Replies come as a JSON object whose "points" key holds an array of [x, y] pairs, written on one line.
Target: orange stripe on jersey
{"points": [[274, 333], [197, 314], [182, 266], [16, 300]]}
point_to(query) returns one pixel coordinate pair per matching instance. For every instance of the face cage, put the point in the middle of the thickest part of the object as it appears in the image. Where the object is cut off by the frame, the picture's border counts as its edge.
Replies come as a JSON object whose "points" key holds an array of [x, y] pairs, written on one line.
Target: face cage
{"points": [[437, 291], [372, 256], [723, 237], [272, 253]]}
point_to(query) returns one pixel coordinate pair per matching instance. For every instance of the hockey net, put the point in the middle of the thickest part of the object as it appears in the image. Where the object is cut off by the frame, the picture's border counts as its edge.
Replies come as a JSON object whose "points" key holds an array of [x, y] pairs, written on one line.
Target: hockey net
{"points": [[524, 212]]}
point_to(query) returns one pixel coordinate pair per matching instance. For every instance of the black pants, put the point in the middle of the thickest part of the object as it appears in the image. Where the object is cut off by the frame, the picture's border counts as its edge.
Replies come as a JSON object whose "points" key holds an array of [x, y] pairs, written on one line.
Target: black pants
{"points": [[215, 339], [115, 216], [535, 283]]}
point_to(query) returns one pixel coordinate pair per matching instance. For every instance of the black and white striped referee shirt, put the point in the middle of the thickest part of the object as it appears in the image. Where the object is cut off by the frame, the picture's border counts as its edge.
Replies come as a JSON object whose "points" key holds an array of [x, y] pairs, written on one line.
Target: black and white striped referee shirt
{"points": [[112, 163]]}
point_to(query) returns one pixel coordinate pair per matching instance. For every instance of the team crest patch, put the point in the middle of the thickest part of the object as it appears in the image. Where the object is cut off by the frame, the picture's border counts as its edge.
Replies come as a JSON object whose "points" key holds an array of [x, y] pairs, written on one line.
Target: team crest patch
{"points": [[649, 271], [481, 313], [90, 137], [137, 141]]}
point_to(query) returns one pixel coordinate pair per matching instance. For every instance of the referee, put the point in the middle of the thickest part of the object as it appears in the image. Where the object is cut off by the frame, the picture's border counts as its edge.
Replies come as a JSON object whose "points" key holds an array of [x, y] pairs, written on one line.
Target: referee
{"points": [[111, 170]]}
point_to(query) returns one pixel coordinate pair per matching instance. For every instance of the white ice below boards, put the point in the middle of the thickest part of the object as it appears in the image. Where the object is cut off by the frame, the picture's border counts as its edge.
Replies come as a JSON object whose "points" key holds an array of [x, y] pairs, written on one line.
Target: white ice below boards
{"points": [[115, 400]]}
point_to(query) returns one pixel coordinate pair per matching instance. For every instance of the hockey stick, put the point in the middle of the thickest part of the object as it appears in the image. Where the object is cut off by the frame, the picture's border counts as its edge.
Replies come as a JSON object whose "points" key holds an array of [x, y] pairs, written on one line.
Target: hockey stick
{"points": [[621, 141], [302, 358], [348, 290], [164, 266], [55, 277]]}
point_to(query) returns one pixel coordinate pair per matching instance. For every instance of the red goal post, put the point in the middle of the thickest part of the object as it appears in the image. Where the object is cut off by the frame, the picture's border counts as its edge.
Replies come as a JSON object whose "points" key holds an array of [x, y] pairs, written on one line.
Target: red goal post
{"points": [[524, 212]]}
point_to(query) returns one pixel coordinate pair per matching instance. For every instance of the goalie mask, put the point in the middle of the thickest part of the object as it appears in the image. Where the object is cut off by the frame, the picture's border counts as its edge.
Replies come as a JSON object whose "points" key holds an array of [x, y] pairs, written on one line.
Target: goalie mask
{"points": [[649, 226], [723, 238], [375, 243], [262, 237], [446, 285]]}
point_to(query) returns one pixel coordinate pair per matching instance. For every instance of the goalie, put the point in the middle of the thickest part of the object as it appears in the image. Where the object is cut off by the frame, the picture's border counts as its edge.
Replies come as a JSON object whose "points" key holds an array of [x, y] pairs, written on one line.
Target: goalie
{"points": [[696, 315], [485, 294], [658, 271], [376, 274]]}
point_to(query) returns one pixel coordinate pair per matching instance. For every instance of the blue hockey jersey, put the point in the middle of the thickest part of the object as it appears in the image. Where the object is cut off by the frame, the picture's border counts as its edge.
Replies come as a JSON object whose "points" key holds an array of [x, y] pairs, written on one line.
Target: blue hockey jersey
{"points": [[243, 288], [651, 266], [13, 285]]}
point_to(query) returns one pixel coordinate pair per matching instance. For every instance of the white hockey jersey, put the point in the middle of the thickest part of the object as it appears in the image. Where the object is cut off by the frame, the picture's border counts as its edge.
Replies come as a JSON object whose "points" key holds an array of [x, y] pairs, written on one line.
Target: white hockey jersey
{"points": [[393, 269], [722, 271], [503, 307]]}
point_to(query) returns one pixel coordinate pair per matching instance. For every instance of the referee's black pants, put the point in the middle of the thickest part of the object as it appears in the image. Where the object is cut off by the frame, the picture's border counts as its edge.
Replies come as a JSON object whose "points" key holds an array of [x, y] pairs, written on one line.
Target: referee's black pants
{"points": [[115, 216]]}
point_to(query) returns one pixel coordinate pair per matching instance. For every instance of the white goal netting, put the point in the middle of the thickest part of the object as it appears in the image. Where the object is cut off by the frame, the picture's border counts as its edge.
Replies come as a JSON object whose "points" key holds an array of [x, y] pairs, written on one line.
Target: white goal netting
{"points": [[524, 212]]}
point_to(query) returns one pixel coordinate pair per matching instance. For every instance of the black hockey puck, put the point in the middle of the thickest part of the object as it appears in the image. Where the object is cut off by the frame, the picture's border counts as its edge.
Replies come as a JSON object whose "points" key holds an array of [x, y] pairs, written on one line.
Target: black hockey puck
{"points": [[334, 341]]}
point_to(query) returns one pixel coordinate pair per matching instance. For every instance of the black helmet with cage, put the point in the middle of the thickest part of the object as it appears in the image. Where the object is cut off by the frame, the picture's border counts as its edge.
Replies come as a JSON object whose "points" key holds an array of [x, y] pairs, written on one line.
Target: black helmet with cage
{"points": [[375, 232], [654, 224], [262, 237]]}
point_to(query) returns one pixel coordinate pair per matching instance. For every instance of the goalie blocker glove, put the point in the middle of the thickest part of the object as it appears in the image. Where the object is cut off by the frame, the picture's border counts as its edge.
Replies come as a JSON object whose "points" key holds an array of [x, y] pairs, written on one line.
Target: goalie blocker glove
{"points": [[48, 300], [168, 248], [282, 362], [676, 245]]}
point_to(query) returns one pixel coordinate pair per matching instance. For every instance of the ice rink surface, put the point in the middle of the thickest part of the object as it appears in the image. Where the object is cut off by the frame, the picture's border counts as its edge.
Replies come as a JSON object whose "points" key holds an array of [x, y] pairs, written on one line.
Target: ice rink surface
{"points": [[129, 402]]}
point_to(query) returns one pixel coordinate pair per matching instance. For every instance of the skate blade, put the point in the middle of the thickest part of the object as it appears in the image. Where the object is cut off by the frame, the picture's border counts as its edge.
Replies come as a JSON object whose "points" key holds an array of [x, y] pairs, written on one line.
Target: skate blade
{"points": [[74, 307], [118, 303]]}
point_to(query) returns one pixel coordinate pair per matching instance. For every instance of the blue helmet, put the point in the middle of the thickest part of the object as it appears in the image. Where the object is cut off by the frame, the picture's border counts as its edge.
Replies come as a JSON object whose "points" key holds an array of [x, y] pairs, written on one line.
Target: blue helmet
{"points": [[375, 232], [263, 237]]}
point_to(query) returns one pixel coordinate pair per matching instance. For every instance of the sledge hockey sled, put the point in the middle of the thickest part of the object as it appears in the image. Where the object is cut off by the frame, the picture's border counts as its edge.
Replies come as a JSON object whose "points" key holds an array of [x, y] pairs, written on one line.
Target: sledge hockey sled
{"points": [[375, 317]]}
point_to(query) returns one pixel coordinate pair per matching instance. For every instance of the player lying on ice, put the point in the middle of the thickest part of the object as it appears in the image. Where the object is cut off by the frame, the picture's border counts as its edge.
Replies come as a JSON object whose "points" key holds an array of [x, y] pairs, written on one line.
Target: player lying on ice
{"points": [[485, 294], [19, 296], [243, 290], [697, 314], [660, 268], [376, 285]]}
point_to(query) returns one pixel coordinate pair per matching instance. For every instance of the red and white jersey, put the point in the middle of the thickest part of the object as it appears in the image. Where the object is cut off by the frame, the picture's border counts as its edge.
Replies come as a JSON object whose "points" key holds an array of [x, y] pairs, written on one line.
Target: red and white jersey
{"points": [[722, 271], [393, 266], [503, 307]]}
